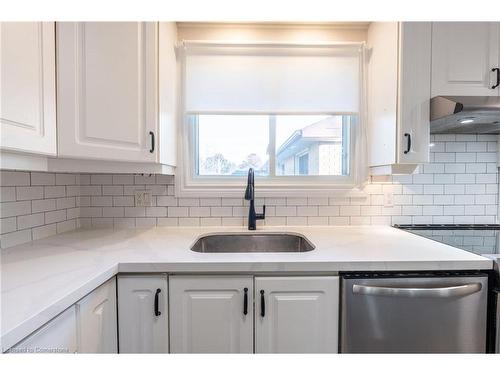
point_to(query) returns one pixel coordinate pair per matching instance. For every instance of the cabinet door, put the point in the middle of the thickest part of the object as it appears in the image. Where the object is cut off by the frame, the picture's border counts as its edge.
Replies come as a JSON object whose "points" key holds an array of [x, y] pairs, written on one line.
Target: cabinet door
{"points": [[97, 322], [296, 314], [107, 90], [414, 92], [28, 84], [142, 328], [463, 54], [207, 314], [57, 336]]}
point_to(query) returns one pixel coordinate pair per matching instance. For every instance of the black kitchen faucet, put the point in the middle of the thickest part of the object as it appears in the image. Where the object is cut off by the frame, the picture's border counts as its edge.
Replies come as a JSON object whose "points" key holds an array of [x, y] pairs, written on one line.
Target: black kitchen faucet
{"points": [[250, 196]]}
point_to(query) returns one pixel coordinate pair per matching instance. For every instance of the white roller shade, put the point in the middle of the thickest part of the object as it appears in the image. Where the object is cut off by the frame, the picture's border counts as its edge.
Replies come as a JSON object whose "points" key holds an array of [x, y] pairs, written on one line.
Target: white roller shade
{"points": [[272, 79]]}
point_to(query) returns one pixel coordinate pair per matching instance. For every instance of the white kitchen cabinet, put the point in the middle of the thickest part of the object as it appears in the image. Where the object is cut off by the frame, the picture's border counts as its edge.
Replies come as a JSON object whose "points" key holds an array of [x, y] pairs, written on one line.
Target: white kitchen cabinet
{"points": [[28, 87], [116, 91], [208, 315], [398, 95], [107, 90], [296, 314], [57, 336], [97, 320], [463, 56], [143, 313]]}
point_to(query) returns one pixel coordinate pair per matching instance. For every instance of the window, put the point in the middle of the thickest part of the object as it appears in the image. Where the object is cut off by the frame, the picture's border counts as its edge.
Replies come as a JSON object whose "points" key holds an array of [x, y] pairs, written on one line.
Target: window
{"points": [[292, 113], [305, 145]]}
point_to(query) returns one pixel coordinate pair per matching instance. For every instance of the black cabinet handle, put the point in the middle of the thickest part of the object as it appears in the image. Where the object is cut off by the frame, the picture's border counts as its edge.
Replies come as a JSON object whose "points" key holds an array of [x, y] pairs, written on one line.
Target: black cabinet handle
{"points": [[152, 149], [262, 304], [157, 311], [245, 301], [498, 78], [408, 143]]}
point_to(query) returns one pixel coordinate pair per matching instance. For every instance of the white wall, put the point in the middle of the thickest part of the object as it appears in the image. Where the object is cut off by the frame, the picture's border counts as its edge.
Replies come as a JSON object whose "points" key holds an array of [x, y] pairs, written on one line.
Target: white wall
{"points": [[341, 32]]}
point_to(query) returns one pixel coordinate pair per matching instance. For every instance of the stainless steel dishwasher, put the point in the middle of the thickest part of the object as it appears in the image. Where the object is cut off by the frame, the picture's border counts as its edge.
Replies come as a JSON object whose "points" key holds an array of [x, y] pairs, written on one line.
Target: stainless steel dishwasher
{"points": [[414, 313]]}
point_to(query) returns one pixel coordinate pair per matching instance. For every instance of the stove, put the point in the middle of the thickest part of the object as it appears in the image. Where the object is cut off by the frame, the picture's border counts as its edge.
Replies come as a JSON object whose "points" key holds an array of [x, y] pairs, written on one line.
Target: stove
{"points": [[481, 239]]}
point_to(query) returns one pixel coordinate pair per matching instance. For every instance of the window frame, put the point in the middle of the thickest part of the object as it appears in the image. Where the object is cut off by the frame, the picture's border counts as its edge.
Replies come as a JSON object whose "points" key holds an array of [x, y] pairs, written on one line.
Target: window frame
{"points": [[189, 185]]}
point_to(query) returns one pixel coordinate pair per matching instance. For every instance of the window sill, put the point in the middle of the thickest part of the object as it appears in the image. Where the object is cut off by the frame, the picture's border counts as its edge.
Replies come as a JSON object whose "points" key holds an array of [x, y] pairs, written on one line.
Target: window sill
{"points": [[267, 190]]}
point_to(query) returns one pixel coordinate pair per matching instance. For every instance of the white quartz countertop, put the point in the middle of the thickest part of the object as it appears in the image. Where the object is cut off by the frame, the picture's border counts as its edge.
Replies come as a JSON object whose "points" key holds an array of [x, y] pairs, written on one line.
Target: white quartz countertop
{"points": [[41, 279]]}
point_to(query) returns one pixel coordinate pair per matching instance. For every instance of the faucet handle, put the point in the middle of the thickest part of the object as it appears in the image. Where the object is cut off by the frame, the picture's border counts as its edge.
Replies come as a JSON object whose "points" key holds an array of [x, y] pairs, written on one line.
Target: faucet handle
{"points": [[261, 216]]}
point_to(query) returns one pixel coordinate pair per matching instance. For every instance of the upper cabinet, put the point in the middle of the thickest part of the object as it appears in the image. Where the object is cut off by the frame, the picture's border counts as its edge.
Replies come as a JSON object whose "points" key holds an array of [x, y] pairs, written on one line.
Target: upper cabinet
{"points": [[464, 55], [399, 71], [28, 87], [116, 96], [107, 90]]}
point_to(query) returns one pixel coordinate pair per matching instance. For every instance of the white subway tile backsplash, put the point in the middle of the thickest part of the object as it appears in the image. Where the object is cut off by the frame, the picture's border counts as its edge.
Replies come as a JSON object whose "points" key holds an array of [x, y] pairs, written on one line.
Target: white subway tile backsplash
{"points": [[101, 179], [459, 185], [40, 178], [15, 238], [44, 231], [8, 224], [308, 210], [13, 178], [8, 209], [66, 179], [181, 212], [464, 157], [199, 211], [55, 191], [55, 216], [114, 211], [24, 193], [221, 211], [30, 221], [7, 194], [125, 223], [135, 211]]}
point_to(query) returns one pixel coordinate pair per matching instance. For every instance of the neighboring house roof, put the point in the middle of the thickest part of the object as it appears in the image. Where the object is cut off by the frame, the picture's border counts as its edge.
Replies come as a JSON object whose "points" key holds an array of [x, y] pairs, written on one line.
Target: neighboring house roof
{"points": [[326, 130]]}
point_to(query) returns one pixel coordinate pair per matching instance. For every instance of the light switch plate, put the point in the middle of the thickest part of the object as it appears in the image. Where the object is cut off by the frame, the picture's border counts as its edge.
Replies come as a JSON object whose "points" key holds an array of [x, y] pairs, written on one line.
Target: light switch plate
{"points": [[142, 198]]}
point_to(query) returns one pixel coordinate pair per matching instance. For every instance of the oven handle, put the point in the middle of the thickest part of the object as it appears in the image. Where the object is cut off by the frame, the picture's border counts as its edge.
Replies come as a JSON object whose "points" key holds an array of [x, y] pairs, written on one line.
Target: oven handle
{"points": [[444, 292]]}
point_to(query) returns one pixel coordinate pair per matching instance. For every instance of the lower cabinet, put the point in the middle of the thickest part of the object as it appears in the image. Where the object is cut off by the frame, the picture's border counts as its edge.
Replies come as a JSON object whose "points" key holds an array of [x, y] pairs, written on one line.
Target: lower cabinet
{"points": [[88, 326], [215, 314], [211, 314], [57, 336], [97, 320], [296, 314], [197, 314], [143, 314]]}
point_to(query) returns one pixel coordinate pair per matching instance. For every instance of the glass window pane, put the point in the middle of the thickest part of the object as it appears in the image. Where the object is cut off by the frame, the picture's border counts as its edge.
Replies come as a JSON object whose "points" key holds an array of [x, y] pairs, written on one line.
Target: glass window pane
{"points": [[312, 145], [227, 145]]}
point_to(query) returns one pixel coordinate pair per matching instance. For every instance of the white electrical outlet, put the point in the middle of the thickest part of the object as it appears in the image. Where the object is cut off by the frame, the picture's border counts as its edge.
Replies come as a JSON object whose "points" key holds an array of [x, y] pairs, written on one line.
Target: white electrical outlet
{"points": [[142, 198], [388, 199]]}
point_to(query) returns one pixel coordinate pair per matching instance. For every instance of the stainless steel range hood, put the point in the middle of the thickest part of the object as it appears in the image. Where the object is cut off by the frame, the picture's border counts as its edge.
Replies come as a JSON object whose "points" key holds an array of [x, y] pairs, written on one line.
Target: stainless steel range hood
{"points": [[465, 114]]}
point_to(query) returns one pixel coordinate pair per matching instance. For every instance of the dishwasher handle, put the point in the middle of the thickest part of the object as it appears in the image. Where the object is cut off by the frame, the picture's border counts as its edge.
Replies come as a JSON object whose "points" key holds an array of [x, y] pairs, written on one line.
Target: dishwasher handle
{"points": [[440, 292]]}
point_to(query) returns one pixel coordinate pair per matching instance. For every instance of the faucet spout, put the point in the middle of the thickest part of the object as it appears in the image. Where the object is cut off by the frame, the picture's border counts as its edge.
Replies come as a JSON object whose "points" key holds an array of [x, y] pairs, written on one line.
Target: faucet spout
{"points": [[250, 196]]}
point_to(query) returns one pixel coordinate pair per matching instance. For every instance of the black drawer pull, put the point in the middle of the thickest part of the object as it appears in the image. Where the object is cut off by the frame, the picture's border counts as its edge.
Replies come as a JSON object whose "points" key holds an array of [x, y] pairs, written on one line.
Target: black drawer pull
{"points": [[262, 304], [408, 144], [152, 149], [157, 311], [498, 78], [245, 301]]}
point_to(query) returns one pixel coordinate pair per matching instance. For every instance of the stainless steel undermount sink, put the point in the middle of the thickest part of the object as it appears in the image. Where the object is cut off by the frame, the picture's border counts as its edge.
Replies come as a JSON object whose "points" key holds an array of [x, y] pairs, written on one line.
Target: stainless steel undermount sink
{"points": [[252, 243]]}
